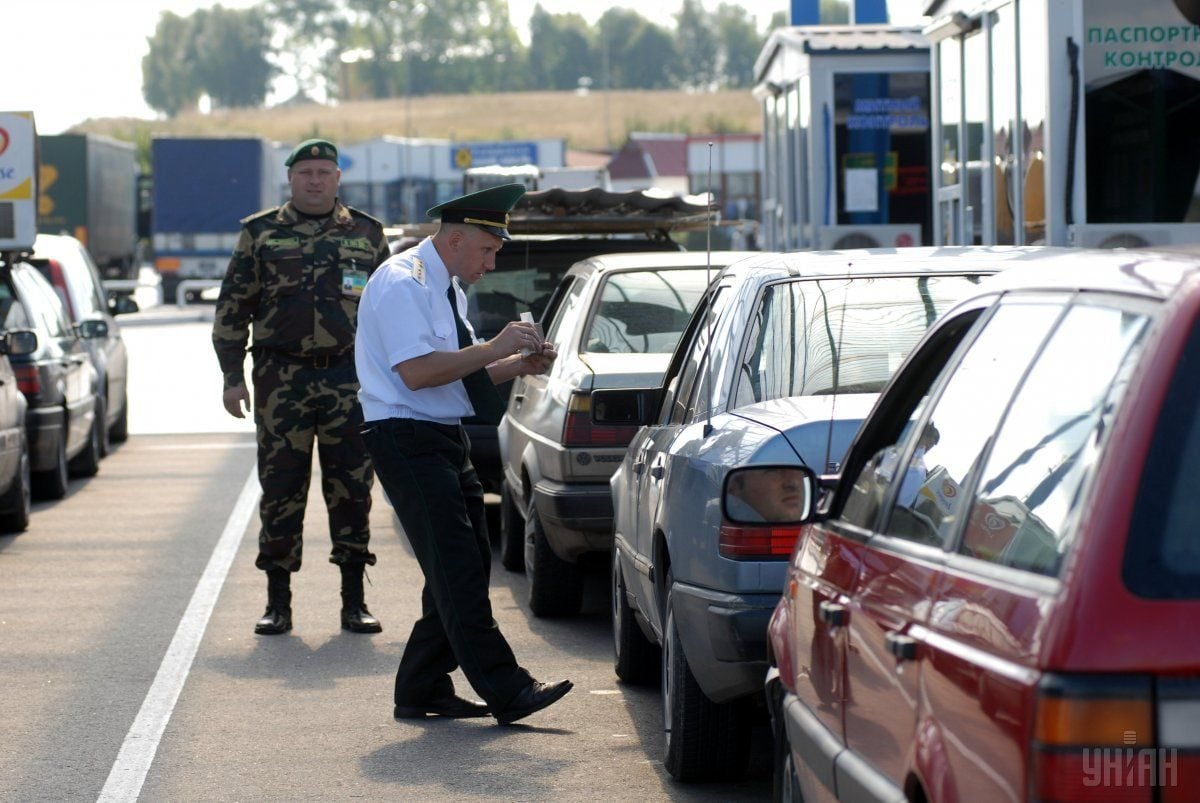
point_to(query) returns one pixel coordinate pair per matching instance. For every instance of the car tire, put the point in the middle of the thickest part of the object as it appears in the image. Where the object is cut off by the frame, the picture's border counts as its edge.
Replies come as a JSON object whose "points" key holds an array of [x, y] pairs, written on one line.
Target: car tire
{"points": [[87, 462], [704, 741], [512, 532], [17, 502], [102, 417], [635, 660], [52, 484], [555, 586], [119, 432]]}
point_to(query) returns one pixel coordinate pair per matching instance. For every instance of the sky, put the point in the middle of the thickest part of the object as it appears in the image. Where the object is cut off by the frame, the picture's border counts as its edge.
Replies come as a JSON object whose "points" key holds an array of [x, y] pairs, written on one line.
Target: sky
{"points": [[68, 60]]}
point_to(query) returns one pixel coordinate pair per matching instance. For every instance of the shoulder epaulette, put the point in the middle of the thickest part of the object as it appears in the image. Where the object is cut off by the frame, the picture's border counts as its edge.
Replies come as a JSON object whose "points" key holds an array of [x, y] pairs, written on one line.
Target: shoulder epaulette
{"points": [[259, 215], [418, 270], [364, 216]]}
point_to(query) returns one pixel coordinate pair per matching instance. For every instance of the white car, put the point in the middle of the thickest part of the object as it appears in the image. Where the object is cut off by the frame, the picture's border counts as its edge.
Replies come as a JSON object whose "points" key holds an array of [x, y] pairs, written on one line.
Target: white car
{"points": [[615, 320]]}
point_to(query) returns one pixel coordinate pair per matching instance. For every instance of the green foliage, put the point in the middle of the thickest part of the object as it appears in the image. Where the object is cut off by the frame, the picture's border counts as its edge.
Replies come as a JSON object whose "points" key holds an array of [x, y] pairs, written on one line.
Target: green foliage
{"points": [[697, 42], [231, 56], [169, 82], [360, 49], [741, 44], [835, 12], [217, 52]]}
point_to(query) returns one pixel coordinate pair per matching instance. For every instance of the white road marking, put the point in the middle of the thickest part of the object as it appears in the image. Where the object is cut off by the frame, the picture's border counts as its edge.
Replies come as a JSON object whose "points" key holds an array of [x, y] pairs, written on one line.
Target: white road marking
{"points": [[141, 743]]}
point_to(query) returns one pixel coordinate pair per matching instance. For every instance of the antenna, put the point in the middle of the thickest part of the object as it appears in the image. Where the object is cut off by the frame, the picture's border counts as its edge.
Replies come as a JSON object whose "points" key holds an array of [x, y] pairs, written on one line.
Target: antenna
{"points": [[708, 224]]}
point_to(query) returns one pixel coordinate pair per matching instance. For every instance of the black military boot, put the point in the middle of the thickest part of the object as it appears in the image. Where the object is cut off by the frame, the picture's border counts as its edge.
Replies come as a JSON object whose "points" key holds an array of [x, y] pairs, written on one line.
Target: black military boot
{"points": [[355, 616], [278, 618]]}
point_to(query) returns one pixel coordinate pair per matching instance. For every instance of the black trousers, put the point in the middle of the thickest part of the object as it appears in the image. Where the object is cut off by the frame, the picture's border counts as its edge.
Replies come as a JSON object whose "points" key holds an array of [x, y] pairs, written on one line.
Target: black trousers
{"points": [[426, 471]]}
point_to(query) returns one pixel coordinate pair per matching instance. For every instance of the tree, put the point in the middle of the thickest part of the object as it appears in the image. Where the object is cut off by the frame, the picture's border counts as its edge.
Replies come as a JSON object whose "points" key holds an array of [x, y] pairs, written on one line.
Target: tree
{"points": [[169, 83], [740, 44], [312, 36], [651, 60], [697, 45], [835, 12], [560, 50], [231, 48], [634, 53]]}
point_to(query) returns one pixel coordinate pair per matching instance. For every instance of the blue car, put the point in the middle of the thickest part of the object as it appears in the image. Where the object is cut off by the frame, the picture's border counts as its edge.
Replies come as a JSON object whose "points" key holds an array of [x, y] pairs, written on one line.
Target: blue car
{"points": [[780, 363]]}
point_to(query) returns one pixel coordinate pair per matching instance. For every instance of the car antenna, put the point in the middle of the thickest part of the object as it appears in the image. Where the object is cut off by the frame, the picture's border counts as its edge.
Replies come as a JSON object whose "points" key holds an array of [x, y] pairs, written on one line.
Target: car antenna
{"points": [[708, 224]]}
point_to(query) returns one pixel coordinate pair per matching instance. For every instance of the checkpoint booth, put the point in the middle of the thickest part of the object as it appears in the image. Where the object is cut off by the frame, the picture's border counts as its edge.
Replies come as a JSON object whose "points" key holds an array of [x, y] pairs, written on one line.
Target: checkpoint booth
{"points": [[1066, 122], [846, 137]]}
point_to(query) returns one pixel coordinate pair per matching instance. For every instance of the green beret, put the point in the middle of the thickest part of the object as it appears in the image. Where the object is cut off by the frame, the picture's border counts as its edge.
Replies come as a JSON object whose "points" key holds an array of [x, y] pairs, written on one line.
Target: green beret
{"points": [[313, 149], [488, 209]]}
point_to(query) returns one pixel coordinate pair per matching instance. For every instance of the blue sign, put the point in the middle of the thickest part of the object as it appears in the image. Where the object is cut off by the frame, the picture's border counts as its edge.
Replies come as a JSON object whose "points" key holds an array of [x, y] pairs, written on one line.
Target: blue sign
{"points": [[505, 154]]}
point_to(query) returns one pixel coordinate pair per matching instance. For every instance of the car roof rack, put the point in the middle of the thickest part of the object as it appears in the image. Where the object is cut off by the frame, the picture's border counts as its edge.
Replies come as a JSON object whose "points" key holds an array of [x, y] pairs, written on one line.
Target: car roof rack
{"points": [[653, 212]]}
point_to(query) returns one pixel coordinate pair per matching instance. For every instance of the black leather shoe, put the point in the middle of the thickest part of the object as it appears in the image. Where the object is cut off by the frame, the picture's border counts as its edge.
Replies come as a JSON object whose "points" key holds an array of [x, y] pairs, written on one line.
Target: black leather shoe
{"points": [[274, 622], [453, 706], [533, 698], [360, 620]]}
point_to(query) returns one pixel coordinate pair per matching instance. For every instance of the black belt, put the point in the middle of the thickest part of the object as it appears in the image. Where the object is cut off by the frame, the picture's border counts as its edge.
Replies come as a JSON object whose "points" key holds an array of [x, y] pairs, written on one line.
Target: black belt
{"points": [[319, 361]]}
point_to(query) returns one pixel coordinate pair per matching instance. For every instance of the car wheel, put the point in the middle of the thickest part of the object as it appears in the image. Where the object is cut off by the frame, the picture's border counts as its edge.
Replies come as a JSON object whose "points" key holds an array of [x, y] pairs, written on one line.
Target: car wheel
{"points": [[17, 503], [52, 484], [555, 586], [635, 659], [705, 741], [87, 462], [512, 532], [119, 433], [102, 419]]}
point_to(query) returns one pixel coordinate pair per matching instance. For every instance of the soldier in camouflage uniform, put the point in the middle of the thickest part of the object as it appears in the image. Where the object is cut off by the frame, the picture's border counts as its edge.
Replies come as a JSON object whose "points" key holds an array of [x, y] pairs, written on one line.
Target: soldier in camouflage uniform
{"points": [[297, 272]]}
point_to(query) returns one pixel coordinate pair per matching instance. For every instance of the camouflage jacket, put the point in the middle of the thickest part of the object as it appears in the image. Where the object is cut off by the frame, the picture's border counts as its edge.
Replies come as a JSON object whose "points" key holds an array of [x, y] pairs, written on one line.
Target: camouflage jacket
{"points": [[298, 281]]}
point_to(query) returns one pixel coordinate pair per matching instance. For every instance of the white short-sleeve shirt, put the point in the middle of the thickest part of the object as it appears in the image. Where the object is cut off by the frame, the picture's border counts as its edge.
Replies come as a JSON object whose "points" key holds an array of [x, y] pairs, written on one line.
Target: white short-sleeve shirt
{"points": [[404, 313]]}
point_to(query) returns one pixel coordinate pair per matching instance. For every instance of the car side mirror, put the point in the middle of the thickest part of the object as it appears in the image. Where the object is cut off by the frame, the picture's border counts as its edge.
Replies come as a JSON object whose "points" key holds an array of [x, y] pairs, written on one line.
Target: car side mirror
{"points": [[19, 342], [92, 329], [770, 494], [631, 407], [122, 305]]}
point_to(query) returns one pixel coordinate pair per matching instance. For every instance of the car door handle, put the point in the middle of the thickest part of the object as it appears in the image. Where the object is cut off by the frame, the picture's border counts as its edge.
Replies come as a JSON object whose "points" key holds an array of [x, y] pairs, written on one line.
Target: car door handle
{"points": [[832, 614], [518, 397], [656, 472], [902, 646]]}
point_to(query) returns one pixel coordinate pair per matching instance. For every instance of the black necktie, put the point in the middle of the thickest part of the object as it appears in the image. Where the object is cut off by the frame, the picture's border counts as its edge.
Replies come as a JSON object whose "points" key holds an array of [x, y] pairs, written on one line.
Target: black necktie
{"points": [[489, 407]]}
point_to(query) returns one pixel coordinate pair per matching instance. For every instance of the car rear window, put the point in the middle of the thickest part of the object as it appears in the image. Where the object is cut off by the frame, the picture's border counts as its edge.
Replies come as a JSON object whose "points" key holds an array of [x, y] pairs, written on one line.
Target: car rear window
{"points": [[1162, 553], [643, 311], [844, 335]]}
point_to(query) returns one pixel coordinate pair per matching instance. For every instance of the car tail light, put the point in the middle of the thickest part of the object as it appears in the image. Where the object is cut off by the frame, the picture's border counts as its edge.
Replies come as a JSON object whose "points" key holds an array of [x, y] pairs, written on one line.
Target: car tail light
{"points": [[29, 381], [1104, 737], [750, 542], [59, 281], [578, 429]]}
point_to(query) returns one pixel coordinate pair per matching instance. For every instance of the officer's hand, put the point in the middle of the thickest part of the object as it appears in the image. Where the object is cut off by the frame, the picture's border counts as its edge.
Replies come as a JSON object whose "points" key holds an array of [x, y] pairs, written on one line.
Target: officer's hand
{"points": [[539, 363], [234, 399], [515, 336]]}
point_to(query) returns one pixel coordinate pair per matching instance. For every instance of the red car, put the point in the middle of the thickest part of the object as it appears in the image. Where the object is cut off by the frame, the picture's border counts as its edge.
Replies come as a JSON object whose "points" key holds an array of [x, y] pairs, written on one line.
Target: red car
{"points": [[997, 598]]}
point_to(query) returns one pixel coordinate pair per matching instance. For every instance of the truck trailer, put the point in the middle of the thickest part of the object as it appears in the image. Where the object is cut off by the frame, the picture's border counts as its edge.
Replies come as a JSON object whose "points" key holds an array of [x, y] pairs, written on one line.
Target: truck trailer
{"points": [[88, 189], [203, 187]]}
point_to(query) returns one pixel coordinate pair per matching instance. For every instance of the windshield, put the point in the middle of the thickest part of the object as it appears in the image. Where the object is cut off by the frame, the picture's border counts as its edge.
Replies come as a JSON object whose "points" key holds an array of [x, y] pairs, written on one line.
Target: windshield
{"points": [[644, 312], [845, 335]]}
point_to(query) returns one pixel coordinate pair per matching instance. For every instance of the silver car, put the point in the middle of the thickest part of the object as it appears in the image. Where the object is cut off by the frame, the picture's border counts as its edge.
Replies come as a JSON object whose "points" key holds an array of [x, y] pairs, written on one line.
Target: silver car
{"points": [[615, 320], [781, 362]]}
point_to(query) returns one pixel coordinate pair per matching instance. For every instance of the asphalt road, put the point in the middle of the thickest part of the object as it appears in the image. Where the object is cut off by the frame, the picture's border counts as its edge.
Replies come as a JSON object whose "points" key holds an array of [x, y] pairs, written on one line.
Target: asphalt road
{"points": [[130, 669]]}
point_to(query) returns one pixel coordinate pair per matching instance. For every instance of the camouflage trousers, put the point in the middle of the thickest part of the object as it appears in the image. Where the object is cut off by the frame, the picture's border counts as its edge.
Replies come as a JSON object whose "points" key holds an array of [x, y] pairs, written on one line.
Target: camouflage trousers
{"points": [[293, 405]]}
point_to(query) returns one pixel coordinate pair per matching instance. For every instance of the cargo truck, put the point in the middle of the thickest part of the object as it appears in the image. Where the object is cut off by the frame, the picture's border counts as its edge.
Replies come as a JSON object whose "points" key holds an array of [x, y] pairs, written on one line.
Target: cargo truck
{"points": [[203, 187], [88, 189]]}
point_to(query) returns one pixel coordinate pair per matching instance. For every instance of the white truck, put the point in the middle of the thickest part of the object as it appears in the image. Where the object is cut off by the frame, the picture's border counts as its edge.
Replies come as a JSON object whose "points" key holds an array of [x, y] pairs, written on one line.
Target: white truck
{"points": [[536, 178]]}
